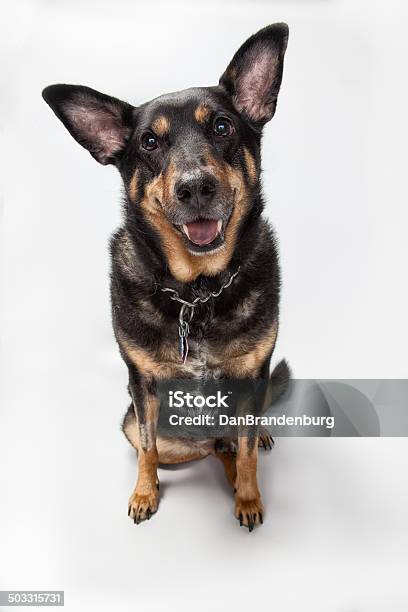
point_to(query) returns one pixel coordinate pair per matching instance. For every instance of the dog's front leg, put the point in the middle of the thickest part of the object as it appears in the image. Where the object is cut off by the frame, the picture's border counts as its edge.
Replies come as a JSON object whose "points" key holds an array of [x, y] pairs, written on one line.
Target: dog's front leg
{"points": [[248, 504], [144, 499]]}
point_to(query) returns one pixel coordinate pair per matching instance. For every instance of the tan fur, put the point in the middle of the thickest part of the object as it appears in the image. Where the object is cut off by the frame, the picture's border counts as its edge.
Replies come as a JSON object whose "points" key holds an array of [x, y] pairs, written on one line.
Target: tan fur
{"points": [[184, 265], [147, 430], [229, 462], [144, 500], [240, 359], [251, 166], [165, 362], [171, 450], [147, 476], [151, 367], [202, 113], [132, 189], [161, 125], [248, 504]]}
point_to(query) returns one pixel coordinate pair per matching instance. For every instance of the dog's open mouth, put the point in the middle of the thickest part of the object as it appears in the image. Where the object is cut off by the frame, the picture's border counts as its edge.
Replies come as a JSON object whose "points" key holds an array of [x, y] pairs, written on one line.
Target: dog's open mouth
{"points": [[203, 231], [203, 235]]}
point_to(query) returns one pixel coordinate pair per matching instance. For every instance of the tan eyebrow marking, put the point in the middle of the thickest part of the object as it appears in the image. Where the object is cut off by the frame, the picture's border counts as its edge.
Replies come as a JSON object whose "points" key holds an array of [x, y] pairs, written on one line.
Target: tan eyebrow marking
{"points": [[161, 125], [202, 113]]}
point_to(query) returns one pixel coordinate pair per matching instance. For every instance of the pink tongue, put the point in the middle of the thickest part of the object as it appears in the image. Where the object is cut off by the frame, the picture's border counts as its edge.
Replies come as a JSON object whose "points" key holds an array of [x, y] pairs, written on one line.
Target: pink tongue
{"points": [[202, 232]]}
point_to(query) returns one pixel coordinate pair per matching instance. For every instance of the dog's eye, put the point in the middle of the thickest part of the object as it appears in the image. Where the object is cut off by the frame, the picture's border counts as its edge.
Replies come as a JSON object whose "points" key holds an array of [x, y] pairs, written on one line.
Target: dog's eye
{"points": [[149, 141], [222, 127]]}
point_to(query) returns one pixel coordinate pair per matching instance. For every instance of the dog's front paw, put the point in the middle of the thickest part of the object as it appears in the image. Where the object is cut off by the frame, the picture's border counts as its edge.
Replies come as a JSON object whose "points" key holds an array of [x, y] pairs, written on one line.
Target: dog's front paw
{"points": [[142, 506], [249, 512]]}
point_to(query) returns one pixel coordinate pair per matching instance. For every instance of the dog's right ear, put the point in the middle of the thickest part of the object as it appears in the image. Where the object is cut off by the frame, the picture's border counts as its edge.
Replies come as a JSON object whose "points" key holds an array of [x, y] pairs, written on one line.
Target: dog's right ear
{"points": [[98, 122]]}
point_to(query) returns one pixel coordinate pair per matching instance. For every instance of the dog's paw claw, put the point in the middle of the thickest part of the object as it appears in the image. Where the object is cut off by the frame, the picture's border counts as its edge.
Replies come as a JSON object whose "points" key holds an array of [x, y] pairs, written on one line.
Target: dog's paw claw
{"points": [[249, 513], [142, 507]]}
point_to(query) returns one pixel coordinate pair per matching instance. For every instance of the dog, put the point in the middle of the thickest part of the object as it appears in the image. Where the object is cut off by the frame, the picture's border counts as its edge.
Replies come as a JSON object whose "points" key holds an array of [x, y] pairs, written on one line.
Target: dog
{"points": [[195, 277]]}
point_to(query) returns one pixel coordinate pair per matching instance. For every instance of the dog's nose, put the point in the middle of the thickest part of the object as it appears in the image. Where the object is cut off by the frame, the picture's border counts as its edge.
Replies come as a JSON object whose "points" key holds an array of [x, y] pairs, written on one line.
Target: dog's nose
{"points": [[198, 190]]}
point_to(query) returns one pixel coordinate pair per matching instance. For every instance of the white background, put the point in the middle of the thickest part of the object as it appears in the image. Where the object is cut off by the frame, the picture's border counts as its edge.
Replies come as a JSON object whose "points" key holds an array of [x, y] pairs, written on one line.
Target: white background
{"points": [[334, 157]]}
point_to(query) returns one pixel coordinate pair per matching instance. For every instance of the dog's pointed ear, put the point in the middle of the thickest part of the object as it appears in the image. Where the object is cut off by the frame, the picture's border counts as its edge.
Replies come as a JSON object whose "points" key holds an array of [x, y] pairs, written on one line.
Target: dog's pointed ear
{"points": [[98, 122], [254, 76]]}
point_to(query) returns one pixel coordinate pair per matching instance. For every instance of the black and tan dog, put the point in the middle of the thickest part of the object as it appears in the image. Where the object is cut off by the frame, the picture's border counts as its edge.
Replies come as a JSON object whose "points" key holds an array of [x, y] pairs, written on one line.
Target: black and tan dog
{"points": [[190, 164]]}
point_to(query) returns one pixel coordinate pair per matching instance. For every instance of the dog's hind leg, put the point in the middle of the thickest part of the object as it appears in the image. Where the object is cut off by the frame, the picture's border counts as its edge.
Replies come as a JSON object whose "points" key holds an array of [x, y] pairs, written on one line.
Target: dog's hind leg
{"points": [[230, 466], [226, 451], [171, 451], [265, 439]]}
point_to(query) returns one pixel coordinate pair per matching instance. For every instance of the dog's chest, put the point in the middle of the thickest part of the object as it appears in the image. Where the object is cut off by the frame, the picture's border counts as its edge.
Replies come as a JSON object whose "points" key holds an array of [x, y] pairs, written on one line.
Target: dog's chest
{"points": [[202, 360], [200, 353], [225, 339], [197, 351], [216, 340]]}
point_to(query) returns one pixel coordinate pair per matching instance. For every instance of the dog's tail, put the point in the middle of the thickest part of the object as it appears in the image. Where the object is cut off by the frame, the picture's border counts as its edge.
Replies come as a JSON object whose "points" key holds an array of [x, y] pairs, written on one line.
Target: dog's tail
{"points": [[277, 384]]}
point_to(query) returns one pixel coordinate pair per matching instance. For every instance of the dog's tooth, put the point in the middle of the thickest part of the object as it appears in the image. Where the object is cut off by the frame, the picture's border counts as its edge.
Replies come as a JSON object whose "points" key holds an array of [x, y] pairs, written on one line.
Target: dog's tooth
{"points": [[185, 228], [219, 226]]}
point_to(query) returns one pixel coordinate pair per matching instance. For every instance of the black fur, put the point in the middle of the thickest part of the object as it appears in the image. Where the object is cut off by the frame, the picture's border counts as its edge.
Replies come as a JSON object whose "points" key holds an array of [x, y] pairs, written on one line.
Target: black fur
{"points": [[115, 132]]}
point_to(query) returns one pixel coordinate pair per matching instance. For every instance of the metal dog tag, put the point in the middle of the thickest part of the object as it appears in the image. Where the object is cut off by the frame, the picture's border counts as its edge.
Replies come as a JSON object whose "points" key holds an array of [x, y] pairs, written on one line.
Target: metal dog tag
{"points": [[183, 333]]}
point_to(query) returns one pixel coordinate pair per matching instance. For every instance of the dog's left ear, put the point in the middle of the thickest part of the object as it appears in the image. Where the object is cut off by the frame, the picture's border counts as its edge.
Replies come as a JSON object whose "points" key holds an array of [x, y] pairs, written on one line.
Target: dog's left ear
{"points": [[254, 76]]}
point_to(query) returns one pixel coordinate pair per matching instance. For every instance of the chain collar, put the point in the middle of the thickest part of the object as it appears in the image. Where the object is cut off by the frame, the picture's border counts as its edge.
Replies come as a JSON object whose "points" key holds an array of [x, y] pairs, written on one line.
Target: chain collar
{"points": [[187, 311]]}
